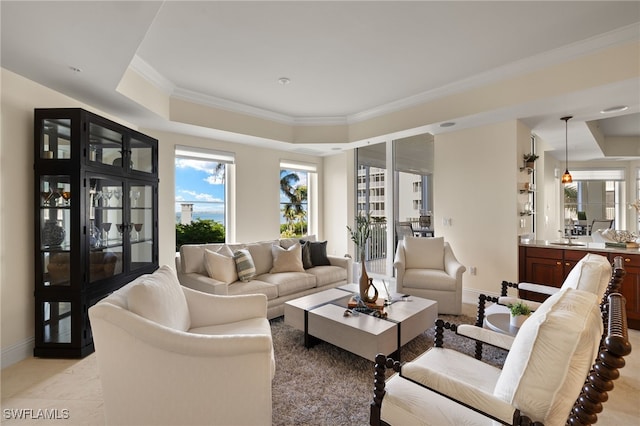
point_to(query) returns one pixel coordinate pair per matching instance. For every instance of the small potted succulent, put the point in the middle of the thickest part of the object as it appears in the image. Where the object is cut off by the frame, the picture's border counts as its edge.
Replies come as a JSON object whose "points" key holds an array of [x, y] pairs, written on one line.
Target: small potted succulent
{"points": [[529, 159], [520, 311]]}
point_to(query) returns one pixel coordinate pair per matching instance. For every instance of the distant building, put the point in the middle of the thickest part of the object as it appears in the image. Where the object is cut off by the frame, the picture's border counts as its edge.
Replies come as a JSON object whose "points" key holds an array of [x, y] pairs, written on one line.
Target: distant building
{"points": [[186, 216]]}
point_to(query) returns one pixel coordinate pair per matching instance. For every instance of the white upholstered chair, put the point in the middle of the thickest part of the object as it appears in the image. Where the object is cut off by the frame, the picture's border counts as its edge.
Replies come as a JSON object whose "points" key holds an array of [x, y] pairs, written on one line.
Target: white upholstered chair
{"points": [[427, 267], [591, 273], [169, 355], [540, 381]]}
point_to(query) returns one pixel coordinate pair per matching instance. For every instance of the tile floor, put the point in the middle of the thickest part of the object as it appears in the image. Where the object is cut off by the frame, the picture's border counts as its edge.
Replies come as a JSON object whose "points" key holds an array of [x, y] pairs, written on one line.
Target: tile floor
{"points": [[70, 390]]}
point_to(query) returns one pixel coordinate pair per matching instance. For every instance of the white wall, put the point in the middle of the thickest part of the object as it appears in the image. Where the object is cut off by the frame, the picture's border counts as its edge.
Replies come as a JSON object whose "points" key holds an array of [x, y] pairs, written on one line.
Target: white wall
{"points": [[475, 186]]}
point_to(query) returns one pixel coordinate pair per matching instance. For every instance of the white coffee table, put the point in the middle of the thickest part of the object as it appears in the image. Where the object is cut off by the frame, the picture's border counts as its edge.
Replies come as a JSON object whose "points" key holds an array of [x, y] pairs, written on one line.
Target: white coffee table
{"points": [[321, 316]]}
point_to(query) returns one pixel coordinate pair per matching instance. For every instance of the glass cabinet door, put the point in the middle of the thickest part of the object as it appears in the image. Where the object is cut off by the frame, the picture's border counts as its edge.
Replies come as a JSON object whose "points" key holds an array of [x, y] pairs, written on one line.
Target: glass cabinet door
{"points": [[141, 227], [55, 139], [55, 229], [106, 146], [56, 324], [106, 229], [141, 155]]}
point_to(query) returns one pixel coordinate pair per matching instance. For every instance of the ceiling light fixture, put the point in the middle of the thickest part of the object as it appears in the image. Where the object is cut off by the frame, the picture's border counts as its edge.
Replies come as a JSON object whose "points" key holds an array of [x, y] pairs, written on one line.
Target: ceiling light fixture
{"points": [[566, 177], [618, 108], [284, 81]]}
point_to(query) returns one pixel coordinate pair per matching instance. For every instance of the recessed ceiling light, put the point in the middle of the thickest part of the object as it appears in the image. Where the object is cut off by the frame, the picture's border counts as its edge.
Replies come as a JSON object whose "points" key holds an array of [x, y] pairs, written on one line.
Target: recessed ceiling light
{"points": [[284, 81], [618, 108], [75, 69], [448, 124]]}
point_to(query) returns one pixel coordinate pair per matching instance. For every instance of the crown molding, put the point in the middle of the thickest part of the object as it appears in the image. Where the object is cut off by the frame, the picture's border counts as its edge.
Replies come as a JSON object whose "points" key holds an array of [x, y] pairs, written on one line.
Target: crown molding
{"points": [[150, 74], [546, 59], [562, 54]]}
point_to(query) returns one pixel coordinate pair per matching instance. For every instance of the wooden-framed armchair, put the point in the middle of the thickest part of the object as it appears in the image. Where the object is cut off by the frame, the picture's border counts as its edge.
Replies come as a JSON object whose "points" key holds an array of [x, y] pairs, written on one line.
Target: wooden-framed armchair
{"points": [[592, 273], [542, 380]]}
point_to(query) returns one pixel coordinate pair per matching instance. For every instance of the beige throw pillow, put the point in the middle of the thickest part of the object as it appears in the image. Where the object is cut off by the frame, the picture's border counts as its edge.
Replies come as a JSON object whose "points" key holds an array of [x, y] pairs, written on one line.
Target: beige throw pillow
{"points": [[220, 265], [287, 260]]}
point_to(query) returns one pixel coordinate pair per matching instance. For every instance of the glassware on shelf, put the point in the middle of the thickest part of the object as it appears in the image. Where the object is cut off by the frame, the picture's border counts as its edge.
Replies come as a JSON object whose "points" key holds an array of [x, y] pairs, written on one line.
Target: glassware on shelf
{"points": [[96, 197], [120, 227], [46, 197], [106, 196], [138, 228], [66, 196], [135, 194], [106, 227], [117, 193]]}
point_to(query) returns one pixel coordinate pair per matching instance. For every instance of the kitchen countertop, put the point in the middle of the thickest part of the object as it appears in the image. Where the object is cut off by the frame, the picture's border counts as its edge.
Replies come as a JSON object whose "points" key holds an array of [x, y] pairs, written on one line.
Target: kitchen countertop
{"points": [[578, 245]]}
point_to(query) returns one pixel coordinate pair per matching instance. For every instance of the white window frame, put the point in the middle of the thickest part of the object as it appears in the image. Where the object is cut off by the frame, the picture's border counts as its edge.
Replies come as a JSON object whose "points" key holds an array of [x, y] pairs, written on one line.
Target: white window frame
{"points": [[312, 190], [228, 158]]}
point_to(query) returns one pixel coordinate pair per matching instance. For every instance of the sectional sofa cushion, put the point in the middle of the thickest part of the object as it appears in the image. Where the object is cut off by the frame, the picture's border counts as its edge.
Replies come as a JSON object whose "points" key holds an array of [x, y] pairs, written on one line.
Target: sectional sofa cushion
{"points": [[287, 260], [261, 255], [221, 265], [158, 297]]}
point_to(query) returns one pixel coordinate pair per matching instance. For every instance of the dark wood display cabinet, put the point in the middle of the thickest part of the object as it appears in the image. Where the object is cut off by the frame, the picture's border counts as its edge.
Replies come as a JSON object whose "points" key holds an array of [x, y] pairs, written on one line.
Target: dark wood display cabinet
{"points": [[551, 265], [96, 221]]}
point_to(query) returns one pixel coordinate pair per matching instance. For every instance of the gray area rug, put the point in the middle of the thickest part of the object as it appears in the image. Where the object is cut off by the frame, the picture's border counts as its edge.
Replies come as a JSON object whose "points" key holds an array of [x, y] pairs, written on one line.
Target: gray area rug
{"points": [[326, 385]]}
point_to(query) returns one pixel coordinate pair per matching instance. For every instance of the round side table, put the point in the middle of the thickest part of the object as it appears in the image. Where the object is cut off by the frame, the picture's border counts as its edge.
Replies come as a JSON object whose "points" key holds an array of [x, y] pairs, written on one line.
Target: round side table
{"points": [[500, 322]]}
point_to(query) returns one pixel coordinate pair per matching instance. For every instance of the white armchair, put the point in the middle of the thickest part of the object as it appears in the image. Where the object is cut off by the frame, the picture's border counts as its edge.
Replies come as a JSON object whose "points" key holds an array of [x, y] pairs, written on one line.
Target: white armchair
{"points": [[542, 380], [170, 355], [427, 267], [591, 273]]}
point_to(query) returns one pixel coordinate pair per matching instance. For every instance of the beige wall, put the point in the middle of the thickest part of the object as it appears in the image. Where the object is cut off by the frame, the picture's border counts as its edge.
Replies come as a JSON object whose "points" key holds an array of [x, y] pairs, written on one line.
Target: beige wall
{"points": [[339, 202], [475, 177], [257, 173], [257, 200], [19, 97]]}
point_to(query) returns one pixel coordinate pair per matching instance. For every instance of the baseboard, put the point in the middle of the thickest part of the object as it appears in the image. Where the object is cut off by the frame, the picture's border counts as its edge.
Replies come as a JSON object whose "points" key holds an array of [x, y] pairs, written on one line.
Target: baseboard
{"points": [[470, 295], [17, 352]]}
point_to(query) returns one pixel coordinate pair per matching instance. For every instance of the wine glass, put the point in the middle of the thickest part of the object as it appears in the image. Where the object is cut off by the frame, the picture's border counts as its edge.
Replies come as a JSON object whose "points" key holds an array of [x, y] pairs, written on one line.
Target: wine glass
{"points": [[120, 227], [106, 195], [106, 227], [66, 196], [118, 194], [96, 198], [138, 228], [135, 194]]}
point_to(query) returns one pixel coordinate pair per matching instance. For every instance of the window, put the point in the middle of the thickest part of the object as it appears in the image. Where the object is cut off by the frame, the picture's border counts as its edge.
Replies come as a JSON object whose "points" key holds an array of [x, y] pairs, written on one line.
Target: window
{"points": [[201, 178], [296, 186], [595, 194]]}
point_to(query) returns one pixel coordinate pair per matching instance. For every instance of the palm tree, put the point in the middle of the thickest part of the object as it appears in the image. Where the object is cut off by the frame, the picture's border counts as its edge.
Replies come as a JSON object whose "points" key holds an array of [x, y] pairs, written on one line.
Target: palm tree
{"points": [[293, 210]]}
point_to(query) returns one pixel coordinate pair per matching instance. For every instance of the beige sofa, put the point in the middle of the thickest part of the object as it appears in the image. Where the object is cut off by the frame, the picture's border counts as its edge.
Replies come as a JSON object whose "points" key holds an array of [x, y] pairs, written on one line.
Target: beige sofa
{"points": [[279, 275]]}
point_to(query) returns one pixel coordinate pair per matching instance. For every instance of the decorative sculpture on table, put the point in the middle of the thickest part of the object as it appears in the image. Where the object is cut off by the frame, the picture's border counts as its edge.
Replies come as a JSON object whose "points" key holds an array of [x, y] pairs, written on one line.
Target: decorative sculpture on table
{"points": [[360, 235]]}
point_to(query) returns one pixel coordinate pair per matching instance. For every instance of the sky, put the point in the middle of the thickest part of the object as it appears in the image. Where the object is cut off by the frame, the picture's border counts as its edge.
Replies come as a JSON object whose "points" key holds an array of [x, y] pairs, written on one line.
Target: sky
{"points": [[196, 183]]}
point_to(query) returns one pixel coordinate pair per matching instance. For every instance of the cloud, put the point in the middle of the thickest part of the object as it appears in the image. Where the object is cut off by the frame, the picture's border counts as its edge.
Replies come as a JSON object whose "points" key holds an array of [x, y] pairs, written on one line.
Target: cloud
{"points": [[197, 196]]}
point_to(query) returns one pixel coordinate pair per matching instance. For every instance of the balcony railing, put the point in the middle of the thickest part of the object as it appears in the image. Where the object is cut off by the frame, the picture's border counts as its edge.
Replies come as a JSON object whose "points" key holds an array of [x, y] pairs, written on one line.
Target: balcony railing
{"points": [[377, 244]]}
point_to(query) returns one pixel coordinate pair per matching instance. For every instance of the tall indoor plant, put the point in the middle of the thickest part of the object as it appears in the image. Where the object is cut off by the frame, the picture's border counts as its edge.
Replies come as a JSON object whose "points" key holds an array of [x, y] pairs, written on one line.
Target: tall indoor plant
{"points": [[360, 236]]}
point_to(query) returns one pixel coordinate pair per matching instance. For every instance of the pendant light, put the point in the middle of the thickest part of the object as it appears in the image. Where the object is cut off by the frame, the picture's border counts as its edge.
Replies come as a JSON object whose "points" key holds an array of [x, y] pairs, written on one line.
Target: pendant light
{"points": [[566, 177]]}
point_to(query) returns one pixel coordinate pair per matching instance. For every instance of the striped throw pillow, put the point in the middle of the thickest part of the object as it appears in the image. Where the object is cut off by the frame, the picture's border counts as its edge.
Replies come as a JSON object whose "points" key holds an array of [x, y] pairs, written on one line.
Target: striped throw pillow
{"points": [[244, 265]]}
